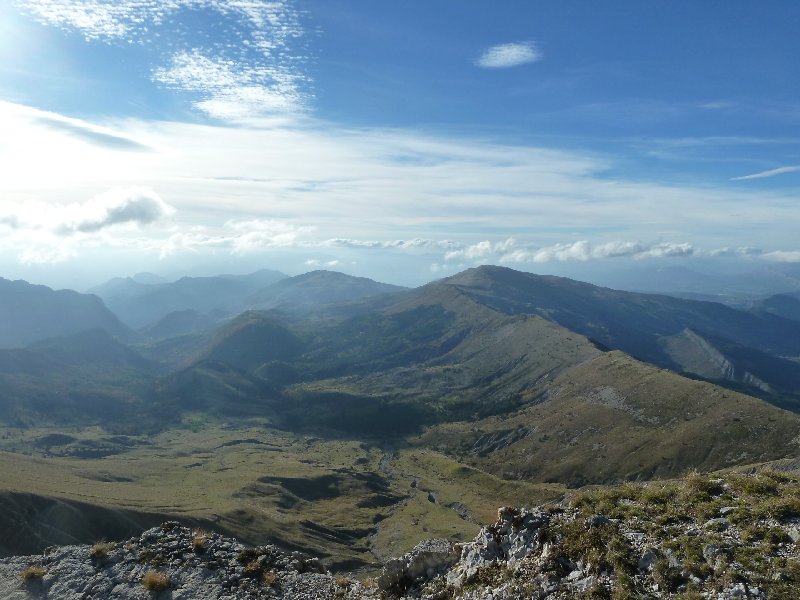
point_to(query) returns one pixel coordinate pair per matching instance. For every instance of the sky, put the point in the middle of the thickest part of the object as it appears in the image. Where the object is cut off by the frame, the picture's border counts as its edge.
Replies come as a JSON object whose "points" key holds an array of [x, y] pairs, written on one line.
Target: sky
{"points": [[402, 141]]}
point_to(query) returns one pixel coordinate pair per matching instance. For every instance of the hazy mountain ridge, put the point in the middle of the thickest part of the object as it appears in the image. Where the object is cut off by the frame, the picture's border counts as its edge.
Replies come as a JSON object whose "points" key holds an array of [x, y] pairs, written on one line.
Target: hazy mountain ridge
{"points": [[707, 281], [34, 312], [318, 288], [177, 323], [141, 304], [782, 305]]}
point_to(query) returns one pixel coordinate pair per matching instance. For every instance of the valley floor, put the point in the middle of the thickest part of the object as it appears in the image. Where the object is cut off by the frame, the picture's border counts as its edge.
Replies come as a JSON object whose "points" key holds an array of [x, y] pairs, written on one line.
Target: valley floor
{"points": [[354, 503]]}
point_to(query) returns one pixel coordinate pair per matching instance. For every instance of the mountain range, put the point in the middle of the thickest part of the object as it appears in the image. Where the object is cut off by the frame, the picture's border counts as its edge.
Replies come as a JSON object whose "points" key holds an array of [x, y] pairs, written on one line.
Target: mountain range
{"points": [[374, 359], [510, 375]]}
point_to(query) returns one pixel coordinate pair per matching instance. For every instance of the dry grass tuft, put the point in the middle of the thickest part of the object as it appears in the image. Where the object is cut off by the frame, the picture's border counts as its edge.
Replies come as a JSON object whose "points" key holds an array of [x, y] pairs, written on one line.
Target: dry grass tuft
{"points": [[270, 578], [33, 572], [370, 583], [156, 581], [199, 541], [101, 550]]}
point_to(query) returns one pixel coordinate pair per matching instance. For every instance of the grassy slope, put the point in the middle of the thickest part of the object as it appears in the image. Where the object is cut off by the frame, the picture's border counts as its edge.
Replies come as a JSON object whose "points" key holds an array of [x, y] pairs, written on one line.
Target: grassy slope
{"points": [[615, 418], [342, 499]]}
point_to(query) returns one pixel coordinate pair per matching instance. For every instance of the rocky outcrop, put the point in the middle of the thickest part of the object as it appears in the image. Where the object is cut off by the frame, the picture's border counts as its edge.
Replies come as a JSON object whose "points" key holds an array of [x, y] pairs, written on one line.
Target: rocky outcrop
{"points": [[170, 563], [426, 561]]}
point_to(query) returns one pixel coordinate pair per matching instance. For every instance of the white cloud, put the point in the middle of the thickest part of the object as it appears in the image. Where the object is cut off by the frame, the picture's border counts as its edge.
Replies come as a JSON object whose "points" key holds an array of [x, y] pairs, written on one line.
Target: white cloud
{"points": [[239, 237], [416, 243], [509, 55], [258, 234], [584, 250], [231, 90], [313, 262], [482, 250], [770, 173], [792, 256], [265, 78], [49, 233], [740, 251], [510, 251], [93, 19], [117, 206], [133, 205], [272, 20]]}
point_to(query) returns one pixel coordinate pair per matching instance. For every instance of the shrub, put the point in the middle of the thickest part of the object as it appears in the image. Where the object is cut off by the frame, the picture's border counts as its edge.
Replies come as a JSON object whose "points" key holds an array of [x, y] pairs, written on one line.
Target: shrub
{"points": [[33, 572], [270, 578], [253, 569], [101, 550], [199, 541], [155, 581], [754, 485], [700, 488]]}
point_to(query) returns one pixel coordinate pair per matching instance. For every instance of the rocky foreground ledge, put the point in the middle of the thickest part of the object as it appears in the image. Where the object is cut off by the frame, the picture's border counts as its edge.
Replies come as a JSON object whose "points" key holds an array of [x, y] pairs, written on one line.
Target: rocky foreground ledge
{"points": [[702, 537]]}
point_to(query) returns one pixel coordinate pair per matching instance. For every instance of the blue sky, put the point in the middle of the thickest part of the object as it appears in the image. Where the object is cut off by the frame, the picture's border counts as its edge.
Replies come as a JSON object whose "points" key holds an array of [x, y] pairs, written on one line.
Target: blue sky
{"points": [[402, 141]]}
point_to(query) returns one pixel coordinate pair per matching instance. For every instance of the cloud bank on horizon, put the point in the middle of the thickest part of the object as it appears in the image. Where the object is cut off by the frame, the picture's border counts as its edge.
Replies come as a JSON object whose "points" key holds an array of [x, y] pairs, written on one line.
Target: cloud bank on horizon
{"points": [[266, 164]]}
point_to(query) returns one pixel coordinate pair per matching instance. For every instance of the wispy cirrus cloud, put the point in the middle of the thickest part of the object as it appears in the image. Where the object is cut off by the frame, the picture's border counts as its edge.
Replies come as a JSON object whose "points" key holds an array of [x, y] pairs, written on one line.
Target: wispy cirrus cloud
{"points": [[504, 56], [249, 66], [416, 243], [77, 129], [770, 173], [92, 135]]}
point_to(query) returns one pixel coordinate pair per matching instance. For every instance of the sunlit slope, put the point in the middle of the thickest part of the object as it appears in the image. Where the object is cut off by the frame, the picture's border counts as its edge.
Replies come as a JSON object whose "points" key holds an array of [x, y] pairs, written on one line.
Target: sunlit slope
{"points": [[343, 499], [614, 418]]}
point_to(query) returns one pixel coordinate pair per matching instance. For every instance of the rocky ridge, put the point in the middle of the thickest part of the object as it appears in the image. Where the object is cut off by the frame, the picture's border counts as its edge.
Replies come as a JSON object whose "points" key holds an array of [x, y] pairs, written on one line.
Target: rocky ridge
{"points": [[733, 536]]}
